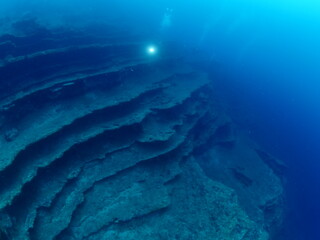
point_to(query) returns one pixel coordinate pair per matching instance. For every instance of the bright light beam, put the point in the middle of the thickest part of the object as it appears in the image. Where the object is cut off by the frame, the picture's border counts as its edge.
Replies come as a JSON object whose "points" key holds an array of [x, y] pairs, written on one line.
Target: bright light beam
{"points": [[151, 50]]}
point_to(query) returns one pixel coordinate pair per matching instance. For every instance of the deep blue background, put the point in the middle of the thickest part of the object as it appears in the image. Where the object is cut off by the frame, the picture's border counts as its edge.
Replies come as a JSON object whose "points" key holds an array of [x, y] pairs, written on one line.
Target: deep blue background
{"points": [[269, 55]]}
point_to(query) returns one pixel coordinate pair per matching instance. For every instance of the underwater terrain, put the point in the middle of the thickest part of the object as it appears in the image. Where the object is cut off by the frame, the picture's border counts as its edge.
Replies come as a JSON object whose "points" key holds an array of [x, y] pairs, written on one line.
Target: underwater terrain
{"points": [[157, 120]]}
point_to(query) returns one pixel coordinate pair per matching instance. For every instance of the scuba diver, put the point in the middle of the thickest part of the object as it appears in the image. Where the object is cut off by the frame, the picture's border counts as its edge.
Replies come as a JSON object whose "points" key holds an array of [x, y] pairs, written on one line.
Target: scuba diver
{"points": [[166, 20]]}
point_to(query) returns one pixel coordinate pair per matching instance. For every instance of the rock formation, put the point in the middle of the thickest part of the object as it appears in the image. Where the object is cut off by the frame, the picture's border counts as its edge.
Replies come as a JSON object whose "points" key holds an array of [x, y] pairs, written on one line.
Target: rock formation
{"points": [[100, 141]]}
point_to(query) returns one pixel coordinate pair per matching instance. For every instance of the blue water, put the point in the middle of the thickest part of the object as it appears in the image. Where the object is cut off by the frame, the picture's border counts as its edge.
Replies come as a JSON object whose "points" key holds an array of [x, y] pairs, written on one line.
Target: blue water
{"points": [[269, 55]]}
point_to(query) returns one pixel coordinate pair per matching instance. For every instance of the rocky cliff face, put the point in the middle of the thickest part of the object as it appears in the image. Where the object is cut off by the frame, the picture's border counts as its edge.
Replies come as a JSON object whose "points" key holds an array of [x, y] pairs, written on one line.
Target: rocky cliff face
{"points": [[100, 141]]}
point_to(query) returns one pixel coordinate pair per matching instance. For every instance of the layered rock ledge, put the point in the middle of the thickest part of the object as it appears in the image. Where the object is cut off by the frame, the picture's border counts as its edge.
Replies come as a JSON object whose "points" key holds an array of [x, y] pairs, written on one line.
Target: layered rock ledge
{"points": [[100, 141]]}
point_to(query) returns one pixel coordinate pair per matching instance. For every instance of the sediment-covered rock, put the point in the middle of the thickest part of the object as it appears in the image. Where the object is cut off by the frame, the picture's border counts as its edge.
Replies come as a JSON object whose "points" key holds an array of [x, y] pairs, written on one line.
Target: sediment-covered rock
{"points": [[99, 141]]}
